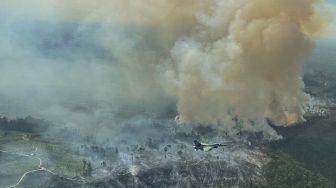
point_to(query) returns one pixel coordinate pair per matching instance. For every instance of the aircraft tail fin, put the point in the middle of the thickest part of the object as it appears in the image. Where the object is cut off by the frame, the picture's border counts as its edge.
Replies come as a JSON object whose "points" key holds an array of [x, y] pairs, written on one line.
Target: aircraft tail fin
{"points": [[197, 143]]}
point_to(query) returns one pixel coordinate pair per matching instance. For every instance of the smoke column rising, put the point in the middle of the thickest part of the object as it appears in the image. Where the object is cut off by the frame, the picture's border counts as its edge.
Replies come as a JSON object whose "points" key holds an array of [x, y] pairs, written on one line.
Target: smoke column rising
{"points": [[215, 59], [246, 59]]}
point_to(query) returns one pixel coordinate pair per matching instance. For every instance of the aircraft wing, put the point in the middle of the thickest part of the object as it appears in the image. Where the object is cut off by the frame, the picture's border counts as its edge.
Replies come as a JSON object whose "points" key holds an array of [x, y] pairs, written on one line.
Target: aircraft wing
{"points": [[223, 144], [208, 148]]}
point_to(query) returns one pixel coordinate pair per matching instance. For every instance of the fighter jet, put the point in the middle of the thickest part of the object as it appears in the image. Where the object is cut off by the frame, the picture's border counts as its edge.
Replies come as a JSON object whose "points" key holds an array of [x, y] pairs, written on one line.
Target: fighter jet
{"points": [[207, 147]]}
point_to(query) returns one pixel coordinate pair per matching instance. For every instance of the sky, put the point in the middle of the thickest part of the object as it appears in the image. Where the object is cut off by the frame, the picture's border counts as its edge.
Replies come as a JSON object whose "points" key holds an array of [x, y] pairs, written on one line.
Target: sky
{"points": [[331, 31]]}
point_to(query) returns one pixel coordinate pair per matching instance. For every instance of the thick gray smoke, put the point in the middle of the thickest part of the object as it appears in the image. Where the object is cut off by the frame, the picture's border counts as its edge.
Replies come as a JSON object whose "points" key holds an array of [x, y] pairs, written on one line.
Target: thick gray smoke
{"points": [[81, 61]]}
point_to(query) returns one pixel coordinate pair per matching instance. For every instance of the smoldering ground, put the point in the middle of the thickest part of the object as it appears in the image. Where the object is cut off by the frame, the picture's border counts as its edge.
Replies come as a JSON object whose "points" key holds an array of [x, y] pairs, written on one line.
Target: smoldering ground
{"points": [[80, 63]]}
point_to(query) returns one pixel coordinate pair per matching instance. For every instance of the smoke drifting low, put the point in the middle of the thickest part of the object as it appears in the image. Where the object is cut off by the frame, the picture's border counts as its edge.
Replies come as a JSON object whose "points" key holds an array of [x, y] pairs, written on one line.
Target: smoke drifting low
{"points": [[215, 59]]}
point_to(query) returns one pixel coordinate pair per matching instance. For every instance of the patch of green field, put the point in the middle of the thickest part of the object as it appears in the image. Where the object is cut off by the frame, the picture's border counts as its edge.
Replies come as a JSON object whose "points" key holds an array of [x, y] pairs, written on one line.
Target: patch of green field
{"points": [[56, 156], [12, 167], [63, 162]]}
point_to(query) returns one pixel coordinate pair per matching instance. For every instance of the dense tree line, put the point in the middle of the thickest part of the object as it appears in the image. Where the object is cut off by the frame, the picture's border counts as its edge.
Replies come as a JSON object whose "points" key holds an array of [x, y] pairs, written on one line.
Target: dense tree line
{"points": [[27, 124]]}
